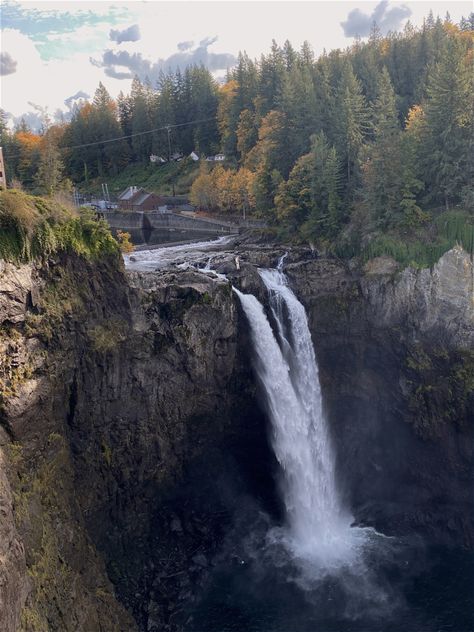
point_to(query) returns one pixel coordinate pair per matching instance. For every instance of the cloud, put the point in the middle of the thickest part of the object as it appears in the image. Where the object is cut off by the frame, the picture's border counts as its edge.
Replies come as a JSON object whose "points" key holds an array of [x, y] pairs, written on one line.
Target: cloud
{"points": [[124, 65], [64, 45], [7, 64], [182, 46], [130, 34], [46, 83], [71, 101], [32, 119], [37, 22], [360, 24]]}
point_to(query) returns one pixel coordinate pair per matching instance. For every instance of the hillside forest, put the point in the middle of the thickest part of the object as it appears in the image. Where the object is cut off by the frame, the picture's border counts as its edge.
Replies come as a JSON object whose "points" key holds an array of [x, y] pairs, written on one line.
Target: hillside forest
{"points": [[365, 150]]}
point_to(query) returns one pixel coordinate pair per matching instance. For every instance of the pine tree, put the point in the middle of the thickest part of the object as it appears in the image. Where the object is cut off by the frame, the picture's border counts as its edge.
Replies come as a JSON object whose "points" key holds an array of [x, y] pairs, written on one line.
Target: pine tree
{"points": [[326, 187], [294, 201], [298, 102], [247, 134], [271, 78], [351, 123], [163, 114], [382, 169], [448, 125], [290, 56], [204, 101], [50, 169], [309, 202], [140, 121], [227, 117]]}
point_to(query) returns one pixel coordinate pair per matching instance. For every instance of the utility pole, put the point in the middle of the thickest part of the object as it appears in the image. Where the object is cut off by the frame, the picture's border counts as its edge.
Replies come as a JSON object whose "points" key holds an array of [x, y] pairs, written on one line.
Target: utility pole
{"points": [[105, 191], [168, 129], [3, 175]]}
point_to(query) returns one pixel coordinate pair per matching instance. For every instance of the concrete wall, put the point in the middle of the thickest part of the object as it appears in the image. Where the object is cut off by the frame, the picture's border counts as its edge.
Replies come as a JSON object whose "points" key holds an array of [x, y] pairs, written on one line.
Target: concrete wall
{"points": [[172, 220], [124, 219], [155, 219]]}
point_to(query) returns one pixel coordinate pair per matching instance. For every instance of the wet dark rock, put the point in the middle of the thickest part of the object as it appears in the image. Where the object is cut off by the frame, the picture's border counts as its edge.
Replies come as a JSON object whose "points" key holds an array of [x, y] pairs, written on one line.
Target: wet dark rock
{"points": [[131, 433], [200, 560], [394, 348]]}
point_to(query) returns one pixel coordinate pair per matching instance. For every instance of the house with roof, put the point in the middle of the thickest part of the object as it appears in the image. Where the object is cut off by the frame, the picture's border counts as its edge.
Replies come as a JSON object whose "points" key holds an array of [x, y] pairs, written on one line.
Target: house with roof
{"points": [[137, 199]]}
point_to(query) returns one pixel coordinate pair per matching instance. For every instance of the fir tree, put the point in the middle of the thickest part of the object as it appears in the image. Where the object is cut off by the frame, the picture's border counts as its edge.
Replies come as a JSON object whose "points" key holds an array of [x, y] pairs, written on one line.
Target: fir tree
{"points": [[351, 123], [448, 125]]}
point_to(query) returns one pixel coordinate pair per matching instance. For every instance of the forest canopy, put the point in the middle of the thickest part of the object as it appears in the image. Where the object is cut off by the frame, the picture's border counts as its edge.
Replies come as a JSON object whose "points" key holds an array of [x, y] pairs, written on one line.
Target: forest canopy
{"points": [[345, 150]]}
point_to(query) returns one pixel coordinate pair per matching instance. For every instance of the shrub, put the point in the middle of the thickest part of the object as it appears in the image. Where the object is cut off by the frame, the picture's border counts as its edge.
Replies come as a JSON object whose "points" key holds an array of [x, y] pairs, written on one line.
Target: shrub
{"points": [[34, 228], [123, 239]]}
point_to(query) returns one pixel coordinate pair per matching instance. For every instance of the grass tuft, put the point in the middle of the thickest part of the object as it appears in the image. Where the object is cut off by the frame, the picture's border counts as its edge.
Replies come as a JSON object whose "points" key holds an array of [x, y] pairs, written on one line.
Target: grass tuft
{"points": [[33, 228]]}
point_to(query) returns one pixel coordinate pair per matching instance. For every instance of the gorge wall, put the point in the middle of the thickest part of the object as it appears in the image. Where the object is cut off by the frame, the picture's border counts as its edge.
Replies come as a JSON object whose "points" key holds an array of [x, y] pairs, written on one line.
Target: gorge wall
{"points": [[131, 434], [396, 355]]}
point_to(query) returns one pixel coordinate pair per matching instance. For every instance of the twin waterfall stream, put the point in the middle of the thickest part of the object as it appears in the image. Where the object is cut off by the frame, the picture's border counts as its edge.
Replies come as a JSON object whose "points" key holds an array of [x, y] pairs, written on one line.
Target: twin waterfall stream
{"points": [[318, 532]]}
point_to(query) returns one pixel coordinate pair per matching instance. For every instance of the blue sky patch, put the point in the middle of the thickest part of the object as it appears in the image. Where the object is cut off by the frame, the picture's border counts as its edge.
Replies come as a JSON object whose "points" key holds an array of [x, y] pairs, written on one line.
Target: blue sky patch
{"points": [[46, 25]]}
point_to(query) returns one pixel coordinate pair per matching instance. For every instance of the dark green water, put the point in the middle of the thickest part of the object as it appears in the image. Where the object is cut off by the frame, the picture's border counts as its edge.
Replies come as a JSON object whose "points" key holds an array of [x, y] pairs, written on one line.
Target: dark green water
{"points": [[412, 589]]}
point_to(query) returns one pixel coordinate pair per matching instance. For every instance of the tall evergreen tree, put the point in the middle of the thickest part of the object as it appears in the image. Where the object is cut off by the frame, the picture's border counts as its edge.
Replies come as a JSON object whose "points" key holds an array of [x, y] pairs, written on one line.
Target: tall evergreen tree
{"points": [[50, 169], [351, 123], [382, 169], [448, 125], [140, 121]]}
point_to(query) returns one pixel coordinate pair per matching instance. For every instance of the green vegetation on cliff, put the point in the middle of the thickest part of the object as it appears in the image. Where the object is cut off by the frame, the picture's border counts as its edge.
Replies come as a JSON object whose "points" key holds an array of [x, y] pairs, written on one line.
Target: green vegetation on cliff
{"points": [[422, 247], [174, 177], [33, 227]]}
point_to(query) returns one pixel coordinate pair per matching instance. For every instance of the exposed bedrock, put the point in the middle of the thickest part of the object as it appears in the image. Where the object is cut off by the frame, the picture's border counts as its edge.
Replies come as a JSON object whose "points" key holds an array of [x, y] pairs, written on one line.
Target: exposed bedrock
{"points": [[396, 356], [131, 435]]}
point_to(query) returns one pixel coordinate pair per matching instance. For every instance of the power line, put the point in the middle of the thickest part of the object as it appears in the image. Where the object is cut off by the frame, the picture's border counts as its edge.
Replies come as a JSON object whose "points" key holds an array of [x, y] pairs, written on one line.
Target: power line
{"points": [[114, 140]]}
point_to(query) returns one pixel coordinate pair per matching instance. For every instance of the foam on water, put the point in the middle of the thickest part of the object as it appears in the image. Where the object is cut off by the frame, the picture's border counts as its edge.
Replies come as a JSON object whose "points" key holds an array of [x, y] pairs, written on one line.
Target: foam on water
{"points": [[159, 258]]}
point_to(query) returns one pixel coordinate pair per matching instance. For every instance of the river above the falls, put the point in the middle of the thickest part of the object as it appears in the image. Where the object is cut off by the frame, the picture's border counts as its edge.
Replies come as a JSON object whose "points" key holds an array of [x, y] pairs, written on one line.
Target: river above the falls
{"points": [[144, 239], [197, 252]]}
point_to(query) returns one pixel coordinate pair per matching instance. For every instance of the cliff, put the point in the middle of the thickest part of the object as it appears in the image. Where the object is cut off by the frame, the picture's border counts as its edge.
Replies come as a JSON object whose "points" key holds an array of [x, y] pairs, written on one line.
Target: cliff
{"points": [[396, 355], [124, 404], [131, 435]]}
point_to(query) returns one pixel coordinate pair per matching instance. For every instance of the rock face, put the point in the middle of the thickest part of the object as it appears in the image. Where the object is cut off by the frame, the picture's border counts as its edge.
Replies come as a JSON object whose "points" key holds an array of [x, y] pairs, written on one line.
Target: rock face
{"points": [[130, 430], [396, 355], [131, 434]]}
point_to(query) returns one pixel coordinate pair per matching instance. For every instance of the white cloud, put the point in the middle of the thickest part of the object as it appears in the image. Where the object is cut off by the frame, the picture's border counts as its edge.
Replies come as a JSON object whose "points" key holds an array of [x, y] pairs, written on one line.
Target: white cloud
{"points": [[249, 26], [46, 83]]}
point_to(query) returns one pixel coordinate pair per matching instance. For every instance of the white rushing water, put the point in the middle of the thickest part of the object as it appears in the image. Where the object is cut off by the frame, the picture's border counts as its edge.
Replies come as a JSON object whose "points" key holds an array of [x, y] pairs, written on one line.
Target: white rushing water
{"points": [[318, 529], [165, 256]]}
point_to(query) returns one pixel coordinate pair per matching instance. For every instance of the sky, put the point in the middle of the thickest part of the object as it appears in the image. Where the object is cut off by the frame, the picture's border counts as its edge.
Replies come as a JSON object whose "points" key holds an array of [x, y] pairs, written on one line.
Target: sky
{"points": [[53, 54]]}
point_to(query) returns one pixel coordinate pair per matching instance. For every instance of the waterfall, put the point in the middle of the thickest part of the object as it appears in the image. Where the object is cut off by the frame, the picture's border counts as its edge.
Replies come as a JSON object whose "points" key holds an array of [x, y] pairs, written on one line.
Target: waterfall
{"points": [[318, 526]]}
